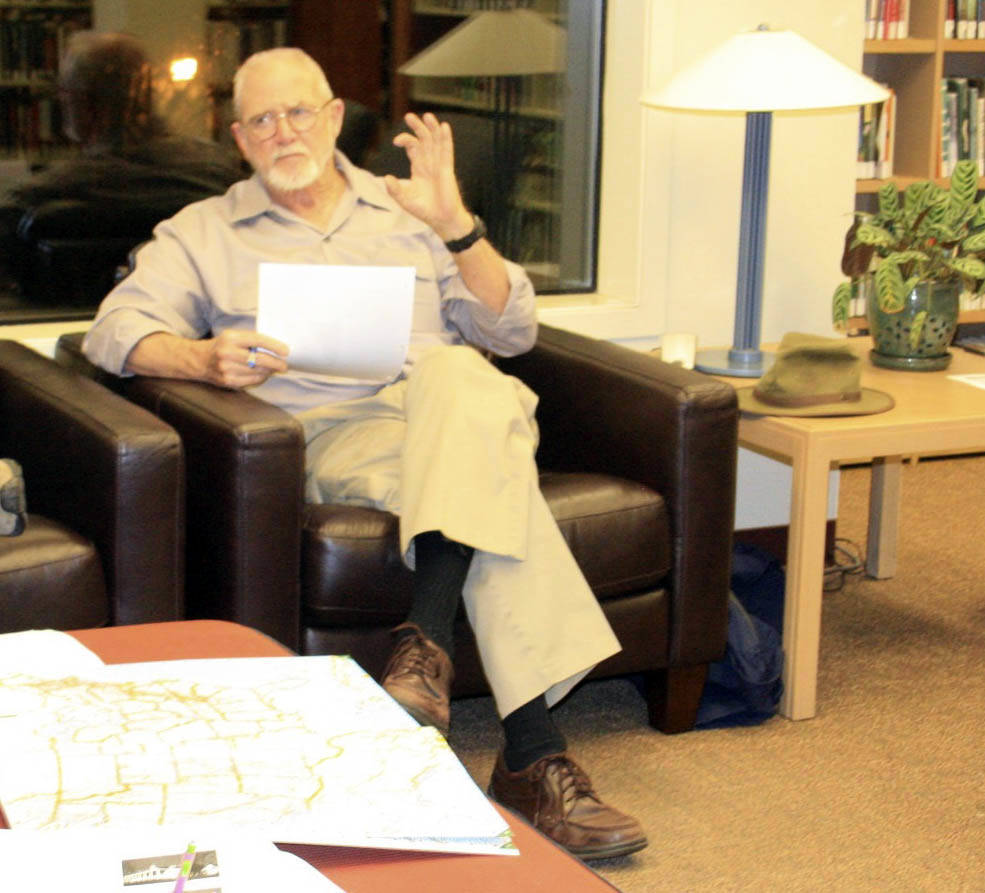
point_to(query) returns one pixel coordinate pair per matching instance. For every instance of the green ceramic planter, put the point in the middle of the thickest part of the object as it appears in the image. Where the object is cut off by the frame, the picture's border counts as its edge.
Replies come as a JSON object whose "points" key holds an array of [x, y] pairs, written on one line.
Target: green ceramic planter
{"points": [[898, 346]]}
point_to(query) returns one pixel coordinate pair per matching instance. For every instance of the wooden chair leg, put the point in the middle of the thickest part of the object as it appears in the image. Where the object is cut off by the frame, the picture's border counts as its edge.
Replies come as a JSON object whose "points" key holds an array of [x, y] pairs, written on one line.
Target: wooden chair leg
{"points": [[673, 696]]}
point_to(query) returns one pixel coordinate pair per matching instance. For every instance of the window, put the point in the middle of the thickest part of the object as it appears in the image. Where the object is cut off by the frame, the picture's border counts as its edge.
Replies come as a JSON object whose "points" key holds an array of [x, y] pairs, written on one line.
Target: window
{"points": [[81, 186]]}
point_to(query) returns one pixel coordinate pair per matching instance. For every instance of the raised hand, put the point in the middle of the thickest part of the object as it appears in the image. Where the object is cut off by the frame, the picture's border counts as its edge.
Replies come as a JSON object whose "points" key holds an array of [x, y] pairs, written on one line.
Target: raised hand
{"points": [[431, 192]]}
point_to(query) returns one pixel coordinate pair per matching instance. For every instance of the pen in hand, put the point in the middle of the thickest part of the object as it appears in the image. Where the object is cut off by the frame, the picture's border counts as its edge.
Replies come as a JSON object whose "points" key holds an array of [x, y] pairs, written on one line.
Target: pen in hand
{"points": [[185, 869]]}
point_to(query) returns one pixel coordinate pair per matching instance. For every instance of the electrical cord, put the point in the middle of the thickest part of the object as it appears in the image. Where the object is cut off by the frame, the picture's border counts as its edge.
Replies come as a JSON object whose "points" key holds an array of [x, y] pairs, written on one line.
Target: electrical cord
{"points": [[847, 559]]}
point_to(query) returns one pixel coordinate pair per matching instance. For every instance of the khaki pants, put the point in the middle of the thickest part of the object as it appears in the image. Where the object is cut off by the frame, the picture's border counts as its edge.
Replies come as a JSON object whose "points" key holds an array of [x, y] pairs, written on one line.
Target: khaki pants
{"points": [[451, 448]]}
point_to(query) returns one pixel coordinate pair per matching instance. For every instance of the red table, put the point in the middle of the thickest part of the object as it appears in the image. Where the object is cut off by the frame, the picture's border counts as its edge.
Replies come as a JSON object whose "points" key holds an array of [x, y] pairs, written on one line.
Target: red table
{"points": [[541, 865]]}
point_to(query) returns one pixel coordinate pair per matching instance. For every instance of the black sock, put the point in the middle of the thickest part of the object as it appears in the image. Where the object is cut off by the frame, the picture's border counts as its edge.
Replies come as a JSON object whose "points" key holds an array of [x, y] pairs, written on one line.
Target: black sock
{"points": [[530, 734], [441, 567]]}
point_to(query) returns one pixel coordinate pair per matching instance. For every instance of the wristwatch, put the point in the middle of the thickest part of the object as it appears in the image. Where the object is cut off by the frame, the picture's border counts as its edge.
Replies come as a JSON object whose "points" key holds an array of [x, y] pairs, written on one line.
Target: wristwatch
{"points": [[467, 241]]}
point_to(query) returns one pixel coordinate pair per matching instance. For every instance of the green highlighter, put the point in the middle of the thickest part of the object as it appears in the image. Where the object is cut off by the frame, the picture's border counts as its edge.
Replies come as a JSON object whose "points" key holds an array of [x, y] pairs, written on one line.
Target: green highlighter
{"points": [[186, 868]]}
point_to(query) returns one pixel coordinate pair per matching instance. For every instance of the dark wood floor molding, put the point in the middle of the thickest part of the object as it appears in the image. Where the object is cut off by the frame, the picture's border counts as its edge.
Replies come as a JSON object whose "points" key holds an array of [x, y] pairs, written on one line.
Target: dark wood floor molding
{"points": [[774, 540]]}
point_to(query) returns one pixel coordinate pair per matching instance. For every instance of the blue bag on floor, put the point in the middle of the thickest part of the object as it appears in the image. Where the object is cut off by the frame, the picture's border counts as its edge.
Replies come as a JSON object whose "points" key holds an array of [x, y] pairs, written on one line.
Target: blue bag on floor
{"points": [[744, 688]]}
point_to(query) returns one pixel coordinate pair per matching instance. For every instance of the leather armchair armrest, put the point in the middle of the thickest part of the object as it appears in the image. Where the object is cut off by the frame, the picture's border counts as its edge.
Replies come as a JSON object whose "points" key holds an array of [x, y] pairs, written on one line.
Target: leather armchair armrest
{"points": [[109, 470], [245, 481], [606, 408], [245, 489]]}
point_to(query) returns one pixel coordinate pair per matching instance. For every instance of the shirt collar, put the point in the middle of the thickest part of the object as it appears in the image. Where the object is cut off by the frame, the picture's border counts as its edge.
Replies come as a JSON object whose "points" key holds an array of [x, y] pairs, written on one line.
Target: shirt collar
{"points": [[250, 197]]}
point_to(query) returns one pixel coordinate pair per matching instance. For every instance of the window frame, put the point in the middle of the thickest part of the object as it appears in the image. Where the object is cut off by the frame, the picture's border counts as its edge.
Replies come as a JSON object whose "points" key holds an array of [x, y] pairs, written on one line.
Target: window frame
{"points": [[629, 301]]}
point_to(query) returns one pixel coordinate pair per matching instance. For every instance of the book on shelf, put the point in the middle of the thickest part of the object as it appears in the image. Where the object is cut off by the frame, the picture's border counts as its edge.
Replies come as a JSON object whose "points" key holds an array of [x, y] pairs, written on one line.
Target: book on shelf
{"points": [[871, 18], [964, 20], [469, 6], [959, 87], [887, 19], [535, 94], [877, 131], [33, 40], [975, 9], [30, 124], [229, 40], [949, 147], [962, 123], [886, 136], [865, 165], [944, 146], [862, 287], [980, 121]]}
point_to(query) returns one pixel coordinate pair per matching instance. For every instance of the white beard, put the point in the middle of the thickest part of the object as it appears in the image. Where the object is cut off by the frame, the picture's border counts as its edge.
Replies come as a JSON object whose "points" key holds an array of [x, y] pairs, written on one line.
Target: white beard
{"points": [[300, 175]]}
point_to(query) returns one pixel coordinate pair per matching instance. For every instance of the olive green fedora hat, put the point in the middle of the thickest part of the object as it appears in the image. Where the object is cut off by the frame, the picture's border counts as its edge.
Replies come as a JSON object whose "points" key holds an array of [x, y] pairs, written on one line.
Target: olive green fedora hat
{"points": [[813, 376]]}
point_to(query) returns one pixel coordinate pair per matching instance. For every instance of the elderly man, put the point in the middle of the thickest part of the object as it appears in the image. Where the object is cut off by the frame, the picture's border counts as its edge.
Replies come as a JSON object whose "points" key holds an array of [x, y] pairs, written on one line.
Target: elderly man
{"points": [[448, 445]]}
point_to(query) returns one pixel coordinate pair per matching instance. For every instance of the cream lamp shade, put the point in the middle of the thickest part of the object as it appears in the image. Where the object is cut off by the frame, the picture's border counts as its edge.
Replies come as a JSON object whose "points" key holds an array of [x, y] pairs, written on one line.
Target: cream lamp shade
{"points": [[492, 43], [764, 70], [503, 45], [759, 72]]}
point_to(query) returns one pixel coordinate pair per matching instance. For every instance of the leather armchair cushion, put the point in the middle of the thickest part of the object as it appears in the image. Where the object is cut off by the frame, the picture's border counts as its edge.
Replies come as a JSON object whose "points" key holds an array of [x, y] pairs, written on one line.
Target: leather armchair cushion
{"points": [[618, 531], [50, 577]]}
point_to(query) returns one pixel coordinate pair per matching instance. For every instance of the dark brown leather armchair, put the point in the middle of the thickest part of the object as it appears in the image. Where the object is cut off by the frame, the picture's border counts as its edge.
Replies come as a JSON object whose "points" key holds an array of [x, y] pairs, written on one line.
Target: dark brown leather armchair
{"points": [[638, 465], [104, 541]]}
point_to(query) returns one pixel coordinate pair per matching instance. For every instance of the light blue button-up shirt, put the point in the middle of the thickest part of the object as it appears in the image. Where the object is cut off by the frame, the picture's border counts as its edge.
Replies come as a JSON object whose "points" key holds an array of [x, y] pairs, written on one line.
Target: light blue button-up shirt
{"points": [[199, 276]]}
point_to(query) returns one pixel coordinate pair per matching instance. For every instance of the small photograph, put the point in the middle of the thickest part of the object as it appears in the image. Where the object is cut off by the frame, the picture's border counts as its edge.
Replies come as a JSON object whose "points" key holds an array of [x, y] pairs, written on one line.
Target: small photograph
{"points": [[163, 870]]}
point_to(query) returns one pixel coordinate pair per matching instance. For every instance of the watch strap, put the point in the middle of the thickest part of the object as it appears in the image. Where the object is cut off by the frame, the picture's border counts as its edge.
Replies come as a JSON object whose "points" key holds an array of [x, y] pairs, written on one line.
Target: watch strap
{"points": [[468, 240]]}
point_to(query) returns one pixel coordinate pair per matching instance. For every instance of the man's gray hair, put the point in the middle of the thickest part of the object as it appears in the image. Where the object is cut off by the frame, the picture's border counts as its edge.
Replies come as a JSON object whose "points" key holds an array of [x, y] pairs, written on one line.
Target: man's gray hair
{"points": [[284, 54]]}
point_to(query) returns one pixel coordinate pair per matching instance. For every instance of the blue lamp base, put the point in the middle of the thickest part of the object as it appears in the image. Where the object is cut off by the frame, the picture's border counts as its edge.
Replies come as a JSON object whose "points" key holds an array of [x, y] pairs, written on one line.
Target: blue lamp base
{"points": [[738, 363], [745, 359]]}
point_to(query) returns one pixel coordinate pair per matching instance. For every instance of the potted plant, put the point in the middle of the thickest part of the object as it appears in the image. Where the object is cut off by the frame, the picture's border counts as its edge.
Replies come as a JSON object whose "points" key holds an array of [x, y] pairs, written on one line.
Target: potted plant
{"points": [[914, 257]]}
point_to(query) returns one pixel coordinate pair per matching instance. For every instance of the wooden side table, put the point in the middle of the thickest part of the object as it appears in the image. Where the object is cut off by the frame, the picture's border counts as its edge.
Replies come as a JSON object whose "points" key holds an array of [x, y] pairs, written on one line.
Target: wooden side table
{"points": [[933, 414]]}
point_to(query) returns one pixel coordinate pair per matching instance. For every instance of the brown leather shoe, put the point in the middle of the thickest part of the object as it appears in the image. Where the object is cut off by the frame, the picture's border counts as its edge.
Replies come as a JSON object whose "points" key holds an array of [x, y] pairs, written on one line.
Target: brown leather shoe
{"points": [[418, 677], [556, 797]]}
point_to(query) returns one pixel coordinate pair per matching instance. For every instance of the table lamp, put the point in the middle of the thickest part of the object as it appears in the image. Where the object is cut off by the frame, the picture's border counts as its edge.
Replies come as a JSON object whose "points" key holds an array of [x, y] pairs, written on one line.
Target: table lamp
{"points": [[504, 45], [759, 72]]}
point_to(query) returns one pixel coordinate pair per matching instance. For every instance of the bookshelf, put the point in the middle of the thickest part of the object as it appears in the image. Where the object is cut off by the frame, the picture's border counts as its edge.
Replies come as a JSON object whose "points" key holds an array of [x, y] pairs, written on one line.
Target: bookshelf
{"points": [[530, 233], [344, 38], [32, 38], [232, 32], [914, 68]]}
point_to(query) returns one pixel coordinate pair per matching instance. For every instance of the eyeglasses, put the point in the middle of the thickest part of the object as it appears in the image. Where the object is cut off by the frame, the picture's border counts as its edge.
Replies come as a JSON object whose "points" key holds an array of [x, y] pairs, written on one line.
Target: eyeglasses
{"points": [[301, 118]]}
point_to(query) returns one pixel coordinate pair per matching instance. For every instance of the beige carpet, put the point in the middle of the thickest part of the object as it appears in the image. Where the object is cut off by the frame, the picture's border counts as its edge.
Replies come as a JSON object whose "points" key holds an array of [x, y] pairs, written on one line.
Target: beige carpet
{"points": [[883, 790]]}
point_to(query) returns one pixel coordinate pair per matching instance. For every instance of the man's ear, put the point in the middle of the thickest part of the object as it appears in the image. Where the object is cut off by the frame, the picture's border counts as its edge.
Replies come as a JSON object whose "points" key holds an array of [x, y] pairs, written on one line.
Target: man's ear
{"points": [[237, 131], [336, 115]]}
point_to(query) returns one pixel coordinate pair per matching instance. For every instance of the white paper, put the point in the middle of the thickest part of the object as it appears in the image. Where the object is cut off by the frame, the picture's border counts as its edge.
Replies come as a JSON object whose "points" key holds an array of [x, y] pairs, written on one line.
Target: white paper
{"points": [[297, 749], [45, 651], [975, 379], [343, 321], [88, 860]]}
